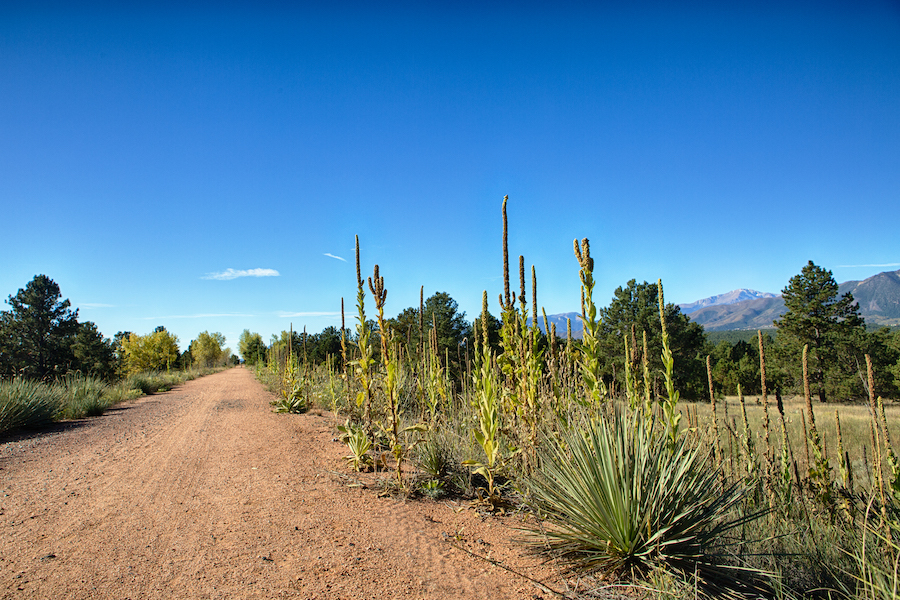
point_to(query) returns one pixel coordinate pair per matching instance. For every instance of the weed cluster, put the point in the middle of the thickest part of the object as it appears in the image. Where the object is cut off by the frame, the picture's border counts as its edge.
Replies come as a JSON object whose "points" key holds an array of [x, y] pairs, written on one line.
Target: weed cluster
{"points": [[630, 483]]}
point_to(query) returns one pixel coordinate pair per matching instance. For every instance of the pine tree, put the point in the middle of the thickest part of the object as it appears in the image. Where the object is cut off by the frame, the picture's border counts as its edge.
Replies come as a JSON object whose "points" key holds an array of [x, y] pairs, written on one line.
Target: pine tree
{"points": [[38, 331], [830, 326]]}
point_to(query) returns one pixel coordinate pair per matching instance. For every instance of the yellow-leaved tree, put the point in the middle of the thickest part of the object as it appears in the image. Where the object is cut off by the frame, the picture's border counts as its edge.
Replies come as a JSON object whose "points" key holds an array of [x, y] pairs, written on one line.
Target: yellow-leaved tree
{"points": [[152, 352], [207, 350]]}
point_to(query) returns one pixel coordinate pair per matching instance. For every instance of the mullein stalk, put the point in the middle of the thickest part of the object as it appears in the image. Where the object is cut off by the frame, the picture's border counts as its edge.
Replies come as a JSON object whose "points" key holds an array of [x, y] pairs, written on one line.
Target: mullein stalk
{"points": [[365, 363], [770, 468], [819, 470], [390, 362], [893, 463], [487, 433], [630, 393], [531, 368], [712, 401], [591, 355], [785, 473], [645, 368], [510, 340], [553, 362], [670, 404], [843, 463]]}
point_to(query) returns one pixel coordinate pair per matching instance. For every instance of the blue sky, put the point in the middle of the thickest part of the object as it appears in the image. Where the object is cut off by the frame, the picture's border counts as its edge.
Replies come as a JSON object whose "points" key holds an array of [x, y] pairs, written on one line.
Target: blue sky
{"points": [[208, 168]]}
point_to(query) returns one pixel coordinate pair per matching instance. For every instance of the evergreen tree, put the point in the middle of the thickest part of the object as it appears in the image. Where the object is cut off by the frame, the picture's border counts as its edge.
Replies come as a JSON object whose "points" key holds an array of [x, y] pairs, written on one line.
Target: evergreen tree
{"points": [[830, 326], [94, 353], [37, 331], [634, 310]]}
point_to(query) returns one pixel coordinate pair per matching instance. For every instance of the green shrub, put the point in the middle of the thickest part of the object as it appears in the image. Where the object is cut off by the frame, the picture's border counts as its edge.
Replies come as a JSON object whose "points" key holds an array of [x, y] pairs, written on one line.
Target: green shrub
{"points": [[26, 403], [85, 396]]}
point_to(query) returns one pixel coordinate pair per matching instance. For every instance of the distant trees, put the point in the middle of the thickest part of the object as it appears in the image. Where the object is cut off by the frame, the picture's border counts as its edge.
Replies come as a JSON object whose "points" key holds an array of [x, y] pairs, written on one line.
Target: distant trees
{"points": [[738, 365], [633, 311], [440, 312], [252, 347], [94, 353], [832, 328], [325, 344]]}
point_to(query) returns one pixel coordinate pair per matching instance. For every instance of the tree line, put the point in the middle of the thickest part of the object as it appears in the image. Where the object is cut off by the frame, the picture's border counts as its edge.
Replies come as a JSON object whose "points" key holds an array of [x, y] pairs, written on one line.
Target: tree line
{"points": [[41, 338], [828, 325]]}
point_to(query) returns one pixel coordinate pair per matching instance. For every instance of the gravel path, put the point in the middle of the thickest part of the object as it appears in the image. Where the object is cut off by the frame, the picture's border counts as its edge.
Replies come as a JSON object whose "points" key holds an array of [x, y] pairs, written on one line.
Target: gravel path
{"points": [[203, 492]]}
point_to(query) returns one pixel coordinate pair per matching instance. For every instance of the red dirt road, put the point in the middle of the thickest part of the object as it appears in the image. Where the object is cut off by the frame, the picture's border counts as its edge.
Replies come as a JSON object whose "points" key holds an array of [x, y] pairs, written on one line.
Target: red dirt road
{"points": [[203, 492]]}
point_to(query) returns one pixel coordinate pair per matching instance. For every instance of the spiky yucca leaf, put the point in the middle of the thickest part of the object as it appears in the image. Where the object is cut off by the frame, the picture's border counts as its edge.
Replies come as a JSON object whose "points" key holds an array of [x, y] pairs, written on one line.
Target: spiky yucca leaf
{"points": [[621, 500]]}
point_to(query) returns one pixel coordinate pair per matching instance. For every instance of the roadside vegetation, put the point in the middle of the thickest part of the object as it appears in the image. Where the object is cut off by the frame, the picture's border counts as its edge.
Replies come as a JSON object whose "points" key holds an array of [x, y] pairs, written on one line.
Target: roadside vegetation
{"points": [[54, 368], [621, 452]]}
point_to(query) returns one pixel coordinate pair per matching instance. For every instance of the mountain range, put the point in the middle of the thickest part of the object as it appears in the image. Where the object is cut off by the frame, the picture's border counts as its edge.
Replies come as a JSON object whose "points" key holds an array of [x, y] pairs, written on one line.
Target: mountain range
{"points": [[732, 297], [878, 298]]}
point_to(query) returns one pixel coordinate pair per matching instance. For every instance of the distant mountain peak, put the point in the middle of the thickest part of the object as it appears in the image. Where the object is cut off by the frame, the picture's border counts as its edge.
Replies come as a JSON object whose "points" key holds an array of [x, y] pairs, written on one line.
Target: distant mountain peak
{"points": [[878, 298], [731, 297]]}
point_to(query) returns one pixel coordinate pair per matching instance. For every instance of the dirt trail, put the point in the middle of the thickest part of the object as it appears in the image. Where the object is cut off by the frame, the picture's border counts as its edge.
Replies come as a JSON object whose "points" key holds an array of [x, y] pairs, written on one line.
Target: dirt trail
{"points": [[203, 492]]}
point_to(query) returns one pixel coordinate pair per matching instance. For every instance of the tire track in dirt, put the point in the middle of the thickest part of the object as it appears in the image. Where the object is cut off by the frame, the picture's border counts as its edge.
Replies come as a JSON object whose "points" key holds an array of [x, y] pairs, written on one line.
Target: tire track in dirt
{"points": [[203, 492]]}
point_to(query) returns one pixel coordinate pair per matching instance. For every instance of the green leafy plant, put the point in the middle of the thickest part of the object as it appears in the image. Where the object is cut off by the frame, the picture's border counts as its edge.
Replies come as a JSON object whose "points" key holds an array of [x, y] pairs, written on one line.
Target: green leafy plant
{"points": [[292, 402], [433, 488], [487, 433], [359, 444]]}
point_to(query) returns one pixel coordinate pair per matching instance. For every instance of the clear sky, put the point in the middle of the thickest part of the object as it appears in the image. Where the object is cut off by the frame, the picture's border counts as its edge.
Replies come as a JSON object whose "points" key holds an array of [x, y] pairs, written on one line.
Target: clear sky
{"points": [[147, 155]]}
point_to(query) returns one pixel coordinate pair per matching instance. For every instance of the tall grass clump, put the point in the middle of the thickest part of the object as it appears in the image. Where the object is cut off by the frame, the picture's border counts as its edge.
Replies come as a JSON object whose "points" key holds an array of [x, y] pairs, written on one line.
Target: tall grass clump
{"points": [[84, 396], [26, 403]]}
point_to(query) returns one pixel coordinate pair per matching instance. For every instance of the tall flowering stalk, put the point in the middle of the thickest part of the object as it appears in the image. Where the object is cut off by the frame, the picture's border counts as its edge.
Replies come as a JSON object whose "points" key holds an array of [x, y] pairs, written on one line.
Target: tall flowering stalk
{"points": [[487, 433], [670, 402], [365, 363], [819, 471], [591, 360]]}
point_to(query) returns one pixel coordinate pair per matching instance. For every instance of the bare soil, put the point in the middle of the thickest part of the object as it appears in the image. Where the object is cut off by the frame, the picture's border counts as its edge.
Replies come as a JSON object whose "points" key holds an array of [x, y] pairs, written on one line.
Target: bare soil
{"points": [[203, 492]]}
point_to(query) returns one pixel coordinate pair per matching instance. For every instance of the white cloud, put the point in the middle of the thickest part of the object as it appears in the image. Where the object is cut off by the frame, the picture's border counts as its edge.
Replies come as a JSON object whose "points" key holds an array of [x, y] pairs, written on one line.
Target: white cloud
{"points": [[860, 266], [95, 305], [235, 273], [333, 256]]}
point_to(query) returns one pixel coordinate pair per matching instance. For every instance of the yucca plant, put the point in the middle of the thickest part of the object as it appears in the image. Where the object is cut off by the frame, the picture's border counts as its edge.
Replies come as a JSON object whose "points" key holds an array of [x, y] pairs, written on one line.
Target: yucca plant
{"points": [[25, 403], [85, 397], [620, 499]]}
